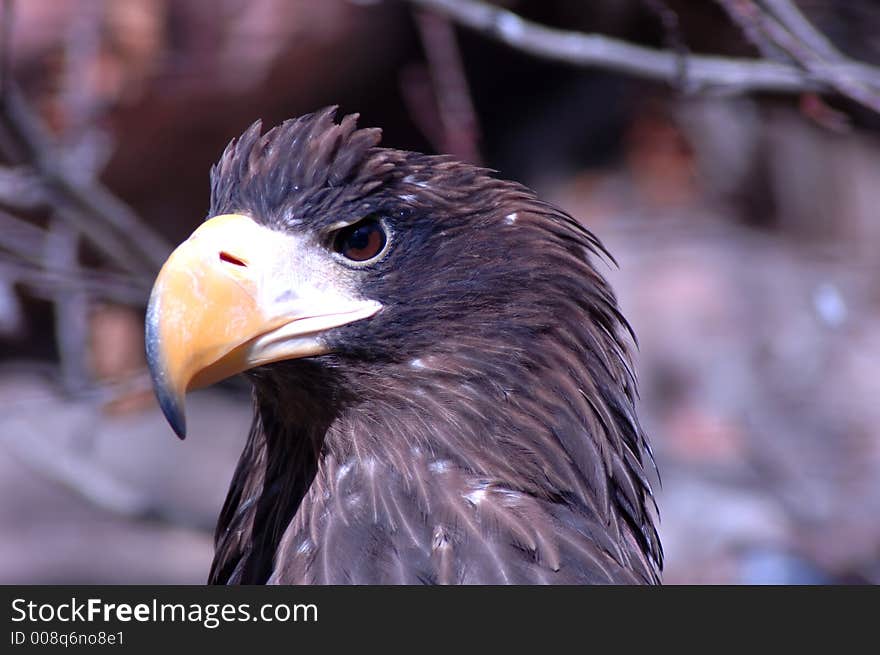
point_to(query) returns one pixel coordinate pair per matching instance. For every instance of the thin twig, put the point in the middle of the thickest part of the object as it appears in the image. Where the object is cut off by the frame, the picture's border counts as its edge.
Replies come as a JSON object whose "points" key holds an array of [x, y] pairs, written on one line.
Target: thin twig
{"points": [[71, 308], [748, 18], [673, 39], [21, 237], [21, 189], [814, 48], [718, 74], [81, 50], [801, 28], [22, 257], [461, 132], [6, 45], [74, 195], [105, 220], [46, 283], [834, 73]]}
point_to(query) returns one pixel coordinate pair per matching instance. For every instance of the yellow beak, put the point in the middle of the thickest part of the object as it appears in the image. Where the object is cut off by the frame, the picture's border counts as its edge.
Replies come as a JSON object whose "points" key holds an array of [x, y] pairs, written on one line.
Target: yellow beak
{"points": [[237, 295]]}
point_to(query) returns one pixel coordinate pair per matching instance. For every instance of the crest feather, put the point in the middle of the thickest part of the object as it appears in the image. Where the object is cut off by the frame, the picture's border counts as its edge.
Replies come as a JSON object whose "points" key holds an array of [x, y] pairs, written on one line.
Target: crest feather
{"points": [[300, 165]]}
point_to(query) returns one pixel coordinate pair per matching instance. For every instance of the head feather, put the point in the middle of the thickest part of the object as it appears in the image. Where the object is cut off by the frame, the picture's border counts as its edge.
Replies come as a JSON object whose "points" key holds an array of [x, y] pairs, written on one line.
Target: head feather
{"points": [[296, 168]]}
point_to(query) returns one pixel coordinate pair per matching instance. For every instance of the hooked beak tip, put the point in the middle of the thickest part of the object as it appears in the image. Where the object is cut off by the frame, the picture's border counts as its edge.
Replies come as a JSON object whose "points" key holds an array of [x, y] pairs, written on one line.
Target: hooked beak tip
{"points": [[172, 407], [170, 401]]}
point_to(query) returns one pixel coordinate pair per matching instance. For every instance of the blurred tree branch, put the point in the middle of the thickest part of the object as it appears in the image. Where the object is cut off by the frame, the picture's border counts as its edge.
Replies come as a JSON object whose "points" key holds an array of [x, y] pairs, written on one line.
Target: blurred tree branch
{"points": [[802, 58], [40, 172], [5, 44], [54, 176], [99, 215], [795, 22], [443, 107], [782, 26]]}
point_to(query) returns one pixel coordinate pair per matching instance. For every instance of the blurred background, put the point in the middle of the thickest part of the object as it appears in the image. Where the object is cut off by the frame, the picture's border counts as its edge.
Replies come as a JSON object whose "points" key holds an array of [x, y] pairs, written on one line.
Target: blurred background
{"points": [[744, 221]]}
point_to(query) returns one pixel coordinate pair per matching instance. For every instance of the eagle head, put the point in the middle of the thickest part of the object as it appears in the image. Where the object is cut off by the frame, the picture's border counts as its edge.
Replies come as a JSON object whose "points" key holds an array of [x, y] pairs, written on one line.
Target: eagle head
{"points": [[413, 322]]}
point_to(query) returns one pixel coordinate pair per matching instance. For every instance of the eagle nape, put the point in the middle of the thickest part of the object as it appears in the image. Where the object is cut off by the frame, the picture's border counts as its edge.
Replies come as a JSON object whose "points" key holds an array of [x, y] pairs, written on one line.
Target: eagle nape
{"points": [[443, 390]]}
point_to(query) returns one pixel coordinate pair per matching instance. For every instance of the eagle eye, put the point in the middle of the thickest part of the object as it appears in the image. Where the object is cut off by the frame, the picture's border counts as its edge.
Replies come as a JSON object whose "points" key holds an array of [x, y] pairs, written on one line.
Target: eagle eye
{"points": [[362, 241]]}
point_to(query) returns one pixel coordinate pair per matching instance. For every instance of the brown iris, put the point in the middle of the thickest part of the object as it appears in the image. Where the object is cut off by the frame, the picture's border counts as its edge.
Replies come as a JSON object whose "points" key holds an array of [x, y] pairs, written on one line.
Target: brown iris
{"points": [[361, 241]]}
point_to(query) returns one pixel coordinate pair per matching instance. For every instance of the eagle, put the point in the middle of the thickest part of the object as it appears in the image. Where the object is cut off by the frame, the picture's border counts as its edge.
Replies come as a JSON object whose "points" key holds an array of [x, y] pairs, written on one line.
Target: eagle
{"points": [[442, 380]]}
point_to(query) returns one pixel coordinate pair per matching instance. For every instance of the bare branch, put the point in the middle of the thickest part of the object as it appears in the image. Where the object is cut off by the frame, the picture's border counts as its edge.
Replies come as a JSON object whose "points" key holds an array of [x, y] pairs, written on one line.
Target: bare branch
{"points": [[21, 189], [105, 220], [5, 45], [672, 35], [718, 74], [71, 308], [82, 48], [800, 41], [802, 29], [25, 261], [20, 237], [458, 118], [47, 283], [748, 18]]}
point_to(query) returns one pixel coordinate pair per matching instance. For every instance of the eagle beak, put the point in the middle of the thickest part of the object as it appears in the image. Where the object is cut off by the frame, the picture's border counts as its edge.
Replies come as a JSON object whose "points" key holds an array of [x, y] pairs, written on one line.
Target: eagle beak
{"points": [[234, 296]]}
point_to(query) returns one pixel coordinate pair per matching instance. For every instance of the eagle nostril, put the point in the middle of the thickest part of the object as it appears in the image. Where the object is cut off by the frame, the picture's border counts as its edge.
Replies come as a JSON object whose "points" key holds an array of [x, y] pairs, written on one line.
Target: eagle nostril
{"points": [[230, 259]]}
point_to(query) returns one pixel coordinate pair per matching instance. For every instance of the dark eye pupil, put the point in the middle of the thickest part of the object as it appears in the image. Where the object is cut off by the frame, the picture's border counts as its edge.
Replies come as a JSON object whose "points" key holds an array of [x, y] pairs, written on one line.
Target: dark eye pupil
{"points": [[361, 241], [360, 238]]}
